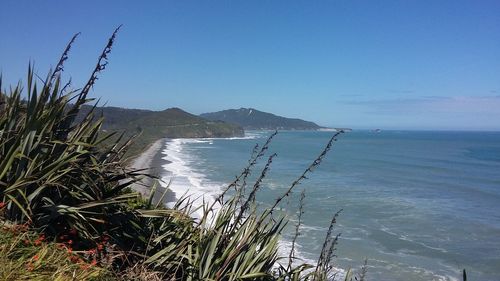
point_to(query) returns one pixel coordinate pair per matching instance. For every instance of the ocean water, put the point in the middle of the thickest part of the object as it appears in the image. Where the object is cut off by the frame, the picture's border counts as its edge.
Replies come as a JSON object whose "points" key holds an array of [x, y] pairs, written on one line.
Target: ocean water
{"points": [[416, 205]]}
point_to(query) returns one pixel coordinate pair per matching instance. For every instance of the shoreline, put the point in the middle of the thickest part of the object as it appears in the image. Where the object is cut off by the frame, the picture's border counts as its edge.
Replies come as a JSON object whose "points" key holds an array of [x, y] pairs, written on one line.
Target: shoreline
{"points": [[150, 161]]}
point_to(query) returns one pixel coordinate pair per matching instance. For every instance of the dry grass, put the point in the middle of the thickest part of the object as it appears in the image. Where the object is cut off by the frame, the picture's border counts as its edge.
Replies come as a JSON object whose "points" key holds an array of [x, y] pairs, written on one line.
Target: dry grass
{"points": [[24, 255]]}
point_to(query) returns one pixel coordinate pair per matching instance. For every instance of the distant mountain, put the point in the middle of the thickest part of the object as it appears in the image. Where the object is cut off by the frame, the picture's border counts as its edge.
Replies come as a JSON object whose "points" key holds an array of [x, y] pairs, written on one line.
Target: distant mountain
{"points": [[172, 122], [253, 119], [154, 125], [114, 117], [177, 123]]}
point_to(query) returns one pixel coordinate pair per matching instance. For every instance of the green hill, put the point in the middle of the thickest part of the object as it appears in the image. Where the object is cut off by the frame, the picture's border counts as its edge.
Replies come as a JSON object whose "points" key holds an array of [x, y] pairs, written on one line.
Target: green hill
{"points": [[153, 125], [176, 123], [253, 119]]}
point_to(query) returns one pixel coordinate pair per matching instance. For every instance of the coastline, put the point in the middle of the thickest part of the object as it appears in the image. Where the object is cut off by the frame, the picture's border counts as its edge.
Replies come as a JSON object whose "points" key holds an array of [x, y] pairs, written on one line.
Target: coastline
{"points": [[150, 161]]}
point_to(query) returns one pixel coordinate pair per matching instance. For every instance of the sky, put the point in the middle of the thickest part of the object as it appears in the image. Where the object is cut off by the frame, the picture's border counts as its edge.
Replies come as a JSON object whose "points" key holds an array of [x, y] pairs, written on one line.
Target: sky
{"points": [[420, 65]]}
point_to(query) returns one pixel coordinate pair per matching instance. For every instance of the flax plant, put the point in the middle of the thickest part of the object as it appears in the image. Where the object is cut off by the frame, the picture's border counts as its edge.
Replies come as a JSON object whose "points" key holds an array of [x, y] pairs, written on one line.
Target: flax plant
{"points": [[56, 173]]}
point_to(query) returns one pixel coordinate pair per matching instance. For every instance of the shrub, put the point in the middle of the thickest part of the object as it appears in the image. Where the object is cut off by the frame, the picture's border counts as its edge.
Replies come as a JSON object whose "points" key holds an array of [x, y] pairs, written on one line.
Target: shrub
{"points": [[57, 174]]}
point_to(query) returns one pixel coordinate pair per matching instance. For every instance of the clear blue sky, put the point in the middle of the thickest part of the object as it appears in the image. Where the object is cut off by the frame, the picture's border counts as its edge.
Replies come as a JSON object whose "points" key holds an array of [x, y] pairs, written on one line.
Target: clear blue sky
{"points": [[364, 64]]}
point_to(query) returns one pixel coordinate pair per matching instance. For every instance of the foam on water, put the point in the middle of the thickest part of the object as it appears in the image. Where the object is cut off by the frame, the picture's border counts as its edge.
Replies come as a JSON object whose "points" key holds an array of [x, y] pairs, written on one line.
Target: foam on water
{"points": [[184, 180], [284, 248]]}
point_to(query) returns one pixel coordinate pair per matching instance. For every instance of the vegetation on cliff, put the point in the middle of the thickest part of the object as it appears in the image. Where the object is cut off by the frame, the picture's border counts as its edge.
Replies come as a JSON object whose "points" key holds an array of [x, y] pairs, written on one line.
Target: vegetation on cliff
{"points": [[254, 119], [148, 126]]}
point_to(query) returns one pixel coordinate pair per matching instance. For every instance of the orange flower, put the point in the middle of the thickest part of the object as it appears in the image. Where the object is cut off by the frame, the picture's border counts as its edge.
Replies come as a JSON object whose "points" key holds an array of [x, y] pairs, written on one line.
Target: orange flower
{"points": [[35, 257], [73, 258]]}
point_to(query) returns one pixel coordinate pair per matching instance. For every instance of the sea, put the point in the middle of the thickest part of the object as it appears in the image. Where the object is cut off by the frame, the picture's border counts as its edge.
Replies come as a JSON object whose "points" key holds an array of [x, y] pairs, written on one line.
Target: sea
{"points": [[417, 205]]}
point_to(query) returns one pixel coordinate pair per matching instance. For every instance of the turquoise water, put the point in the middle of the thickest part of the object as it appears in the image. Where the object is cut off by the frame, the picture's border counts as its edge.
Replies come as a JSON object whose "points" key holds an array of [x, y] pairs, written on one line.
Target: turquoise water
{"points": [[417, 205]]}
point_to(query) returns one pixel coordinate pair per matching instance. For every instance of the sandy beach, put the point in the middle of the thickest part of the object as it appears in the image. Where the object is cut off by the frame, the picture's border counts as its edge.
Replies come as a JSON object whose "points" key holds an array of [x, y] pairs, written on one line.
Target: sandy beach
{"points": [[148, 160]]}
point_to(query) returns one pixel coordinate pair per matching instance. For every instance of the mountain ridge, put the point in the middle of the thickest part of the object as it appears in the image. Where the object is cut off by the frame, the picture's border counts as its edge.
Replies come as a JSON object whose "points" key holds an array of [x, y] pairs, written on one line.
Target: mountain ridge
{"points": [[118, 118], [150, 125], [253, 119]]}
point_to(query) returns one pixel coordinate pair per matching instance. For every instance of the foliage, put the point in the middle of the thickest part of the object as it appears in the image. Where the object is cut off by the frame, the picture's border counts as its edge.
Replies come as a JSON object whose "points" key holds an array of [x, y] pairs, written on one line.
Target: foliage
{"points": [[53, 171], [154, 125]]}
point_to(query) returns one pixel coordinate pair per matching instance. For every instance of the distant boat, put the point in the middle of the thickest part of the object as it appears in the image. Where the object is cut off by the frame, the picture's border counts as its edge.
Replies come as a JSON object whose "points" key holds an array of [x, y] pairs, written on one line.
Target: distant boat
{"points": [[376, 131]]}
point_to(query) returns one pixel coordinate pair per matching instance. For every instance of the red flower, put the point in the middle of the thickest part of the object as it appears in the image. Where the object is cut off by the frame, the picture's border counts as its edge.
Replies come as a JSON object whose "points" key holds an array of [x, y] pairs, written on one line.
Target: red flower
{"points": [[39, 240], [74, 259], [2, 204], [35, 257]]}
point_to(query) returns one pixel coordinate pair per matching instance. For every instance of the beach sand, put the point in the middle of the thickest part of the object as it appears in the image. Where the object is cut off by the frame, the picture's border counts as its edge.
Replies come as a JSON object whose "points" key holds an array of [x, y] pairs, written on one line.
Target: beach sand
{"points": [[151, 160]]}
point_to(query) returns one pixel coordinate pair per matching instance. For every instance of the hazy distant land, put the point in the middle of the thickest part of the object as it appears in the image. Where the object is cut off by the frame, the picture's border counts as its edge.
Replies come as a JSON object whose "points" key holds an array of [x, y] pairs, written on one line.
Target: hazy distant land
{"points": [[253, 119]]}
